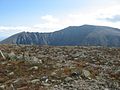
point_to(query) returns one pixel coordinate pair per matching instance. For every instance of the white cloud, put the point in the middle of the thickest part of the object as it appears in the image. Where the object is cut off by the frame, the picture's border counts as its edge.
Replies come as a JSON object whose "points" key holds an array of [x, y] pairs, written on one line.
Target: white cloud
{"points": [[49, 18], [13, 28]]}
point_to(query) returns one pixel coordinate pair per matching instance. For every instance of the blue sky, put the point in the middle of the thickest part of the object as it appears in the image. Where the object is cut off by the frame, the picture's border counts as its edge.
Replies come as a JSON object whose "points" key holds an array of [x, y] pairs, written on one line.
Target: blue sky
{"points": [[19, 12], [51, 15]]}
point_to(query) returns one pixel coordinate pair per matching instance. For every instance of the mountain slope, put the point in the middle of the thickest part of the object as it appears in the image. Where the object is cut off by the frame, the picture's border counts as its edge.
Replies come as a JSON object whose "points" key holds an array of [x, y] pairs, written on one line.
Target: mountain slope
{"points": [[73, 35]]}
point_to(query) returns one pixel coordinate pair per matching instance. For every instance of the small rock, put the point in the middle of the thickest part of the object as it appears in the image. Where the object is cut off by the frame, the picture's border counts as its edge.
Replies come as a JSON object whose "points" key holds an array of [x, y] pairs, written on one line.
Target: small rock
{"points": [[20, 82], [35, 81], [12, 87], [44, 78], [3, 63], [11, 73], [36, 60], [86, 73], [23, 88], [2, 87], [68, 79], [12, 56], [46, 84], [34, 68], [106, 89], [20, 57], [56, 86], [53, 73], [2, 54], [74, 74]]}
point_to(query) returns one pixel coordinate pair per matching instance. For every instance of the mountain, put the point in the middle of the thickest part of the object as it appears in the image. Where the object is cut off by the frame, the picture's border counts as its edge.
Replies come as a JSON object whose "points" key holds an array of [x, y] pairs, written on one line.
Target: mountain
{"points": [[73, 35]]}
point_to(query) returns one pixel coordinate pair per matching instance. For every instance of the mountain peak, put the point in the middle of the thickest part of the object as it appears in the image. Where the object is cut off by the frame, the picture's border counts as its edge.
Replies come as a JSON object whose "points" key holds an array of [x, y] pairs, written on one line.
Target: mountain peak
{"points": [[73, 35]]}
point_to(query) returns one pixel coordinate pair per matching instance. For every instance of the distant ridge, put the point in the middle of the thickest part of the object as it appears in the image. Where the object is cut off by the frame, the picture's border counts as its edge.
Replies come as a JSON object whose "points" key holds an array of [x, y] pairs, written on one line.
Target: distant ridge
{"points": [[90, 35]]}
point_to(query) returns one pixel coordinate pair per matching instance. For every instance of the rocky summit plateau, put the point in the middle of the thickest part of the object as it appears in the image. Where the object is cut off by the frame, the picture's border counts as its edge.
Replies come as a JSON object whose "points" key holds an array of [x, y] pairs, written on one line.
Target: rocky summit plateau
{"points": [[25, 67]]}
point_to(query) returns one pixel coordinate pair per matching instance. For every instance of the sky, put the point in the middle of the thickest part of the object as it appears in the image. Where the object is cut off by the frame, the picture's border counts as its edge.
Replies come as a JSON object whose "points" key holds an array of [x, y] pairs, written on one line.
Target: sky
{"points": [[52, 15]]}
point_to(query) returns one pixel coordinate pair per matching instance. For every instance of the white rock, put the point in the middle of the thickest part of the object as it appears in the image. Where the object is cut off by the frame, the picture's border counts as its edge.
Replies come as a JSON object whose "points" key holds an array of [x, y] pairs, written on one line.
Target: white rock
{"points": [[34, 67], [35, 81], [36, 60], [68, 79], [2, 54], [86, 73], [106, 89], [11, 73], [11, 54], [2, 87], [53, 73]]}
